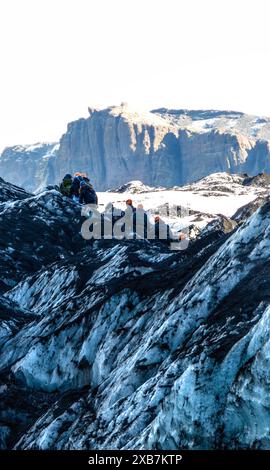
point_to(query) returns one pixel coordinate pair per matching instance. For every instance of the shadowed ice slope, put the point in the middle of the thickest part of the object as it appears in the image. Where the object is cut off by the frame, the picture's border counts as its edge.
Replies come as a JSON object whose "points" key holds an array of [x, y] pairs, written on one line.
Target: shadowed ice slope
{"points": [[125, 344]]}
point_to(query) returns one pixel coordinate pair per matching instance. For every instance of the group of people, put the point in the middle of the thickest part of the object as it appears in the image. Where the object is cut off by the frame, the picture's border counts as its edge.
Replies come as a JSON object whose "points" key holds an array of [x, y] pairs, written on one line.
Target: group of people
{"points": [[140, 224], [78, 188]]}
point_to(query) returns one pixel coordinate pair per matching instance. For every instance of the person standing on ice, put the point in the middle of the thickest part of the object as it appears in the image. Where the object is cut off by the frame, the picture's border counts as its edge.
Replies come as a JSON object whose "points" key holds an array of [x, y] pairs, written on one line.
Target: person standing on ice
{"points": [[130, 219], [142, 222], [129, 204], [162, 230], [66, 185], [87, 194], [75, 188]]}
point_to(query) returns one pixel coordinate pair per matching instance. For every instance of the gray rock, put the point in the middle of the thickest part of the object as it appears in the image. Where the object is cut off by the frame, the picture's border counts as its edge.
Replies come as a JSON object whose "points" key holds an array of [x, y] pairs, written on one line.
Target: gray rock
{"points": [[160, 148], [29, 166], [116, 145]]}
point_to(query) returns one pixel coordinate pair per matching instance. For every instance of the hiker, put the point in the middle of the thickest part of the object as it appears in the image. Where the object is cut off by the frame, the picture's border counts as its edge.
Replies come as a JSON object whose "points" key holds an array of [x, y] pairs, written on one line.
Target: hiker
{"points": [[141, 210], [66, 185], [130, 214], [141, 222], [129, 203], [75, 188], [162, 230], [87, 194], [85, 178], [112, 212]]}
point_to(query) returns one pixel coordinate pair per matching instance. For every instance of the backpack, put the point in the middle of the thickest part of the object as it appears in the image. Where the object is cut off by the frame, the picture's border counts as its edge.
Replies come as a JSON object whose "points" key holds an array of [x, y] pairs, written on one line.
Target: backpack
{"points": [[75, 187], [88, 194], [65, 187]]}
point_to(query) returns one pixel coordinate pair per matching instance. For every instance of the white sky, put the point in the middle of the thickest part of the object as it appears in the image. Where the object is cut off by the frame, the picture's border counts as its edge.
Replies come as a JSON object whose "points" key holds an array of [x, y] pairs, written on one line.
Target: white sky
{"points": [[59, 56]]}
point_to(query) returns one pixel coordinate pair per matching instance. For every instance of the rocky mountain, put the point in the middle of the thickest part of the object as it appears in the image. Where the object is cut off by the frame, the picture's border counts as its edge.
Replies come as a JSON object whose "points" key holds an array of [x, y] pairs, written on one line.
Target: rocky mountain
{"points": [[11, 192], [30, 166], [124, 344], [164, 147]]}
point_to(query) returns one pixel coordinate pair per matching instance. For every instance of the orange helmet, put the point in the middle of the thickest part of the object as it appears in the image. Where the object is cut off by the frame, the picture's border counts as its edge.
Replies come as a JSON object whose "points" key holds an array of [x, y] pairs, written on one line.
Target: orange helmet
{"points": [[77, 173], [182, 236], [129, 202]]}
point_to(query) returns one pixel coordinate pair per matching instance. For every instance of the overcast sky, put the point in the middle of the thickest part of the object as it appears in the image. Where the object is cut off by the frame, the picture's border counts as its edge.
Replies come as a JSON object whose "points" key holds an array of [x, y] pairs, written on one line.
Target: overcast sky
{"points": [[59, 56]]}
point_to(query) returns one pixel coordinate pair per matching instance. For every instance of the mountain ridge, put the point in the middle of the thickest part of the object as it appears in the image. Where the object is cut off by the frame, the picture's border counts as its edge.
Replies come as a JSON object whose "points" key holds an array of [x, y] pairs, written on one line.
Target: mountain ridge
{"points": [[161, 148]]}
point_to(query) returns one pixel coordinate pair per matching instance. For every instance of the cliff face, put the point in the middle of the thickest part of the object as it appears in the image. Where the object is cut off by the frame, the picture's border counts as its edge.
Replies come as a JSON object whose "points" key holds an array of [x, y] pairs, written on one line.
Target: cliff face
{"points": [[216, 150], [29, 166], [117, 145], [163, 147], [114, 146]]}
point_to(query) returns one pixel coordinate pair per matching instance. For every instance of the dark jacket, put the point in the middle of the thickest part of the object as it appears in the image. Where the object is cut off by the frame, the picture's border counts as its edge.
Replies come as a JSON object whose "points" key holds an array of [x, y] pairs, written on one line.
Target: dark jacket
{"points": [[163, 231], [65, 187], [130, 214], [75, 188], [140, 222], [88, 195], [127, 210], [133, 209]]}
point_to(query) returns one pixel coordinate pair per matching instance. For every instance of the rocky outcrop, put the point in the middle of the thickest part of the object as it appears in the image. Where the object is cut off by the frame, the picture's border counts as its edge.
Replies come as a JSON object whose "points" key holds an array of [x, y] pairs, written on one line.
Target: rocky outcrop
{"points": [[9, 192], [160, 148], [35, 231]]}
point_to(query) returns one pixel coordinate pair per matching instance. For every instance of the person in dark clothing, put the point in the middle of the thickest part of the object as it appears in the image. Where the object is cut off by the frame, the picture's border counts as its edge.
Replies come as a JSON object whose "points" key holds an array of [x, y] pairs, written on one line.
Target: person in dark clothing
{"points": [[129, 203], [162, 230], [86, 179], [87, 194], [141, 222], [66, 185], [130, 217], [75, 188], [140, 211], [113, 213]]}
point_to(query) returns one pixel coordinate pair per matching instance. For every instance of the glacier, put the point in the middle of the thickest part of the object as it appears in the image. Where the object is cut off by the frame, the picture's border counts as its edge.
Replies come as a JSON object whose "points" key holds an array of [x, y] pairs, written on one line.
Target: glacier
{"points": [[112, 344]]}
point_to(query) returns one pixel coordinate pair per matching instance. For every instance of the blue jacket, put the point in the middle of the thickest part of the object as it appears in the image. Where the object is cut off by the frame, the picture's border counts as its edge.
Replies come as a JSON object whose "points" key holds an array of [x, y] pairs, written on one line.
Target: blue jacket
{"points": [[88, 195]]}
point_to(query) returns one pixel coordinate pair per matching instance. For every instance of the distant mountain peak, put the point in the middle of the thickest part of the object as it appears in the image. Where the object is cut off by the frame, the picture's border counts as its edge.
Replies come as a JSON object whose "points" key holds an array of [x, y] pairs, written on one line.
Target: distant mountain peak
{"points": [[163, 147]]}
